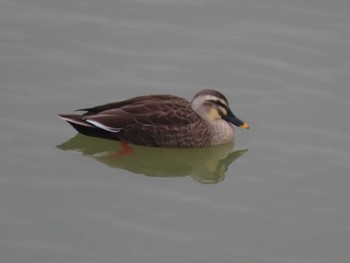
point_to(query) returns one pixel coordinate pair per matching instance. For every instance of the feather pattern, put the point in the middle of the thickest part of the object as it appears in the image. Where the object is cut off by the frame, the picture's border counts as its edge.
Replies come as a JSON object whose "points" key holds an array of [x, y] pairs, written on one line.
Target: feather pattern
{"points": [[155, 120]]}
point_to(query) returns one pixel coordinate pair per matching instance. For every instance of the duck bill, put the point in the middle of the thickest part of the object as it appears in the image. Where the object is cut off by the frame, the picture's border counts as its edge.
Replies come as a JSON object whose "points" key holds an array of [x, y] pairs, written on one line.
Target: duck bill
{"points": [[230, 117]]}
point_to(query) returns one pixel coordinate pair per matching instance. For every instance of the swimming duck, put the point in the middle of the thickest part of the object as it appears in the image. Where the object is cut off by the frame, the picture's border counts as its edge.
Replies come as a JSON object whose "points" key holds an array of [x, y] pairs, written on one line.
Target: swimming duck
{"points": [[161, 120]]}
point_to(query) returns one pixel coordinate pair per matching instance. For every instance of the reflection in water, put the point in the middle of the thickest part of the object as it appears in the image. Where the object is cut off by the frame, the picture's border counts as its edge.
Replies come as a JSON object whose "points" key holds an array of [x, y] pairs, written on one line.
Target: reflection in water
{"points": [[204, 165]]}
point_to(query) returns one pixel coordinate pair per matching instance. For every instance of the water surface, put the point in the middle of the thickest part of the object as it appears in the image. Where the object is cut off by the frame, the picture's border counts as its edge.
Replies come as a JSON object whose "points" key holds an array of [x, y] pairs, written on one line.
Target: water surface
{"points": [[279, 195]]}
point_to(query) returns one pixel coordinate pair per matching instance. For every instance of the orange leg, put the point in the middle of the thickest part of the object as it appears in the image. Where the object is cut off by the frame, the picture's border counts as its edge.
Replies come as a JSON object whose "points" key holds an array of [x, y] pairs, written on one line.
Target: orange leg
{"points": [[125, 150]]}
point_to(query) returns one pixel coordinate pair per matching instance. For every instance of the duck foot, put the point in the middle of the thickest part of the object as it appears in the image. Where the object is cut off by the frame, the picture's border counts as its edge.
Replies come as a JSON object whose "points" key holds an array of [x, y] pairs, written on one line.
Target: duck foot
{"points": [[125, 150]]}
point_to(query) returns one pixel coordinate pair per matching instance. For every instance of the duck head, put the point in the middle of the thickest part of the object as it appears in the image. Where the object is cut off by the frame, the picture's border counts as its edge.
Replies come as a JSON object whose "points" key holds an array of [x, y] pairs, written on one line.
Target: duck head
{"points": [[211, 106]]}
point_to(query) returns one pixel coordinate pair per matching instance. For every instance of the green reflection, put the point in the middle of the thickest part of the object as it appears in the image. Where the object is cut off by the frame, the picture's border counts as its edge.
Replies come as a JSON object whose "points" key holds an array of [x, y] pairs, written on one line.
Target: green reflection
{"points": [[205, 165]]}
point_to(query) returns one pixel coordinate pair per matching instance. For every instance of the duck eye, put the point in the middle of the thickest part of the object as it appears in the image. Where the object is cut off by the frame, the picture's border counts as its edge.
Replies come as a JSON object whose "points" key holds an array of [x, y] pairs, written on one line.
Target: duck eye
{"points": [[209, 103]]}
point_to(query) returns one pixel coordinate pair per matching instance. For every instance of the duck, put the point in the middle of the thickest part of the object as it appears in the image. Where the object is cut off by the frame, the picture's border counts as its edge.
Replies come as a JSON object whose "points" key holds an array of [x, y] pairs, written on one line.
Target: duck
{"points": [[161, 120]]}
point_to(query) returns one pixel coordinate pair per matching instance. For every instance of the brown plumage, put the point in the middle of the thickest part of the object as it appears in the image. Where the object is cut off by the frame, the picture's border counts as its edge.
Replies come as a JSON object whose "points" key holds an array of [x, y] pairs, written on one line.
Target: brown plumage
{"points": [[160, 120]]}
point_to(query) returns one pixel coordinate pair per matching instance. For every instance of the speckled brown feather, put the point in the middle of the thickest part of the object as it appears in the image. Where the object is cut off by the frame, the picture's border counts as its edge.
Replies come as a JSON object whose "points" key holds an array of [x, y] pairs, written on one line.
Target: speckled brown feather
{"points": [[157, 120], [161, 120]]}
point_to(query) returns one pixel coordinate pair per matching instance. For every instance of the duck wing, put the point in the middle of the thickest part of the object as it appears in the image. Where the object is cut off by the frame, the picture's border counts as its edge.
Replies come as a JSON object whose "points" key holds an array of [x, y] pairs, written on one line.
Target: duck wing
{"points": [[158, 120], [136, 101], [155, 111]]}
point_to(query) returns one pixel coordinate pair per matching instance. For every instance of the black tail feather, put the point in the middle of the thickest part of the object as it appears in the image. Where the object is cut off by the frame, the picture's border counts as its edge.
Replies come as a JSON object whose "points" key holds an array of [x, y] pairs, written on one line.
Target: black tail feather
{"points": [[87, 129]]}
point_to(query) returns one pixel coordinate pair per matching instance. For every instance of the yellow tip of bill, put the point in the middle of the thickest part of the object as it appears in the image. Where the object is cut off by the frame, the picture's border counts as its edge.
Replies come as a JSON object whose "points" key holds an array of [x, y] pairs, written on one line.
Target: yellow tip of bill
{"points": [[244, 126]]}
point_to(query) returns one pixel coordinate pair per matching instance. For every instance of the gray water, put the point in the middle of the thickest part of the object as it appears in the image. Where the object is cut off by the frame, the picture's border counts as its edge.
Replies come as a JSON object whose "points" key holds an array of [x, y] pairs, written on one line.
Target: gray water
{"points": [[281, 194]]}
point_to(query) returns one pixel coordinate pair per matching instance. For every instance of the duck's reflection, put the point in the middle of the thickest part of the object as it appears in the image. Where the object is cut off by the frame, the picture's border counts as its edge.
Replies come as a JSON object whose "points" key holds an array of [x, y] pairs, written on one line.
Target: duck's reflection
{"points": [[204, 165]]}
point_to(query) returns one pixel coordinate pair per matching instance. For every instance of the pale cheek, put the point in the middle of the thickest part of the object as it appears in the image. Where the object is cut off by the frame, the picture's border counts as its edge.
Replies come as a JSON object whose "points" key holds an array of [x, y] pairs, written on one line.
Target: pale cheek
{"points": [[214, 114]]}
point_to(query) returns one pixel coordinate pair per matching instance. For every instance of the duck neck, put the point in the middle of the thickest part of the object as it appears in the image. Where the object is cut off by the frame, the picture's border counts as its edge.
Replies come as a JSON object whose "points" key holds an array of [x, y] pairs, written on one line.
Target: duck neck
{"points": [[221, 131]]}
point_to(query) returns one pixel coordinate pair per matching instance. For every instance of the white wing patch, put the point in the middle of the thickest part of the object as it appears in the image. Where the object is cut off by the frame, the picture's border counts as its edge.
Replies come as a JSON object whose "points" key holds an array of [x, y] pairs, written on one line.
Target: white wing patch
{"points": [[103, 127], [79, 122]]}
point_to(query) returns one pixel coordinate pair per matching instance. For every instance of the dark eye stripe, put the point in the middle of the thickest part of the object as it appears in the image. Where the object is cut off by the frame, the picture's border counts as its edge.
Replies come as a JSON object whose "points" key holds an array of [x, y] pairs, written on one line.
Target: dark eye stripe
{"points": [[219, 103], [220, 107]]}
